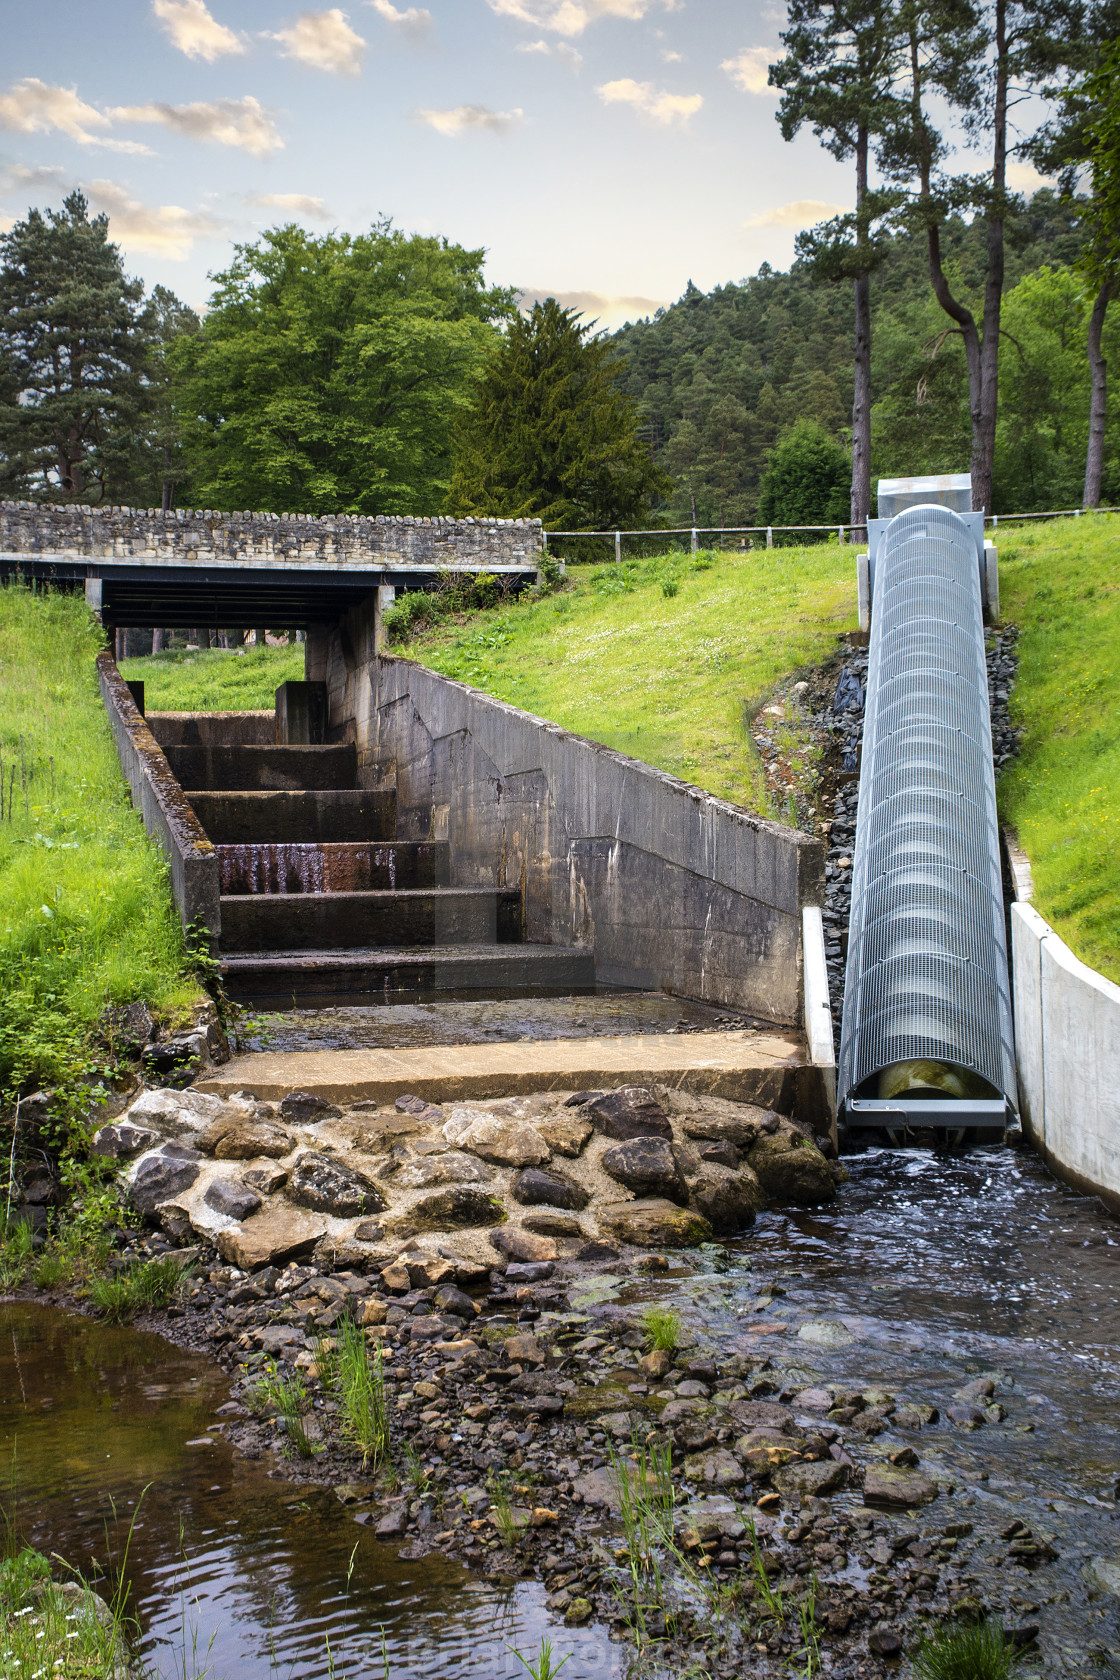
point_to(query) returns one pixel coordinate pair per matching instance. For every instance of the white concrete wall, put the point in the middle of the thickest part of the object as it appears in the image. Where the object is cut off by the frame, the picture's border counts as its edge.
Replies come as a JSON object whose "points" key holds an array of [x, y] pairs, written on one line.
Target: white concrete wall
{"points": [[1067, 1040]]}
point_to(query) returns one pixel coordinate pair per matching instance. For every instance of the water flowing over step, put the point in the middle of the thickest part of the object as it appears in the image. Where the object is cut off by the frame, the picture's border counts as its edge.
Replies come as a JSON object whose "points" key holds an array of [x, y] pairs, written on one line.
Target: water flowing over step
{"points": [[322, 904]]}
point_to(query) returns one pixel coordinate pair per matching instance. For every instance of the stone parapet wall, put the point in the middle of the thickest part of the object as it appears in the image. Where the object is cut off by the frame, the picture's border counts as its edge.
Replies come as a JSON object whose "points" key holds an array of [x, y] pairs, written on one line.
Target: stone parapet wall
{"points": [[193, 537]]}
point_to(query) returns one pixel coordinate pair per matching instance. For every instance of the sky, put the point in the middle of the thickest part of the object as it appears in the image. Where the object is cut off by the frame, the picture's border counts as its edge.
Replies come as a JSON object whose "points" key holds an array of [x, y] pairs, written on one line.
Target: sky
{"points": [[604, 152]]}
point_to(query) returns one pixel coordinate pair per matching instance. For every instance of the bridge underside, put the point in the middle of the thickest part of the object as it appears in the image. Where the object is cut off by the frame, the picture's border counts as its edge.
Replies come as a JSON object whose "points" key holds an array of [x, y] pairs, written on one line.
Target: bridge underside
{"points": [[140, 594]]}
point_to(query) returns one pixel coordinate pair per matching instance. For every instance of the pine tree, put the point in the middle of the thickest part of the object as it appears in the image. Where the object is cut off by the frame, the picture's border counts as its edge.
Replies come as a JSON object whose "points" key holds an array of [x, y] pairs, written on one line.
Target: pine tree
{"points": [[72, 353], [550, 435], [806, 479]]}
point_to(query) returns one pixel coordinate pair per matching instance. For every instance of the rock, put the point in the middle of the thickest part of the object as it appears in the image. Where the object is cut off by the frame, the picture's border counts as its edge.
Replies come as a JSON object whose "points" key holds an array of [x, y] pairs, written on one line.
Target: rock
{"points": [[718, 1468], [449, 1299], [884, 1484], [631, 1112], [246, 1140], [369, 1231], [393, 1524], [824, 1333], [373, 1311], [694, 1435], [966, 1417], [231, 1197], [450, 1167], [915, 1416], [760, 1414], [322, 1182], [518, 1244], [813, 1400], [265, 1180], [809, 1481], [552, 1224], [580, 1610], [535, 1186], [740, 1125], [725, 1154], [496, 1137], [598, 1253], [301, 1108], [727, 1200], [1104, 1574], [426, 1271], [883, 1641], [653, 1223], [566, 1135], [791, 1169], [443, 1210], [275, 1235], [524, 1350], [980, 1388], [648, 1166], [122, 1140], [598, 1487], [655, 1364], [127, 1029], [175, 1113], [529, 1271], [160, 1178], [175, 1222]]}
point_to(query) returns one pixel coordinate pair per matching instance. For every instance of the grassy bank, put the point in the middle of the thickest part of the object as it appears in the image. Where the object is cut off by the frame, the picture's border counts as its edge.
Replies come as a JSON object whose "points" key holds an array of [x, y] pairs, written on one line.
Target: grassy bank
{"points": [[86, 917], [661, 658], [215, 680], [1061, 584]]}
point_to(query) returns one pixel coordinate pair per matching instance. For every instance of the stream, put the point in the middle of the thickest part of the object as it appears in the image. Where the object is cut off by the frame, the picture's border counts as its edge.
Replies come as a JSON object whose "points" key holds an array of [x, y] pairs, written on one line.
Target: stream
{"points": [[931, 1269]]}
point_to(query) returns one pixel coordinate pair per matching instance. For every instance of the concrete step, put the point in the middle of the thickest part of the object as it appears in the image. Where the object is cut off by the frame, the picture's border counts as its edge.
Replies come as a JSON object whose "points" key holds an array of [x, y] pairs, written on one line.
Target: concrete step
{"points": [[325, 979], [341, 920], [383, 866], [766, 1067], [246, 768], [327, 816]]}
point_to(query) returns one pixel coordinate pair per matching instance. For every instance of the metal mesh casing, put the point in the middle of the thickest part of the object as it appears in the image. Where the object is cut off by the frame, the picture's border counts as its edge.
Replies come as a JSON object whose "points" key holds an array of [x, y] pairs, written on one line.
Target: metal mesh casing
{"points": [[927, 954]]}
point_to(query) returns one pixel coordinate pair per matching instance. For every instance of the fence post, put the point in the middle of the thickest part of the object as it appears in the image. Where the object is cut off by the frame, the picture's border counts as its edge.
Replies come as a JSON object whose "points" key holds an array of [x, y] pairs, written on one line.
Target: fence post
{"points": [[840, 535], [769, 536], [618, 545], [695, 539]]}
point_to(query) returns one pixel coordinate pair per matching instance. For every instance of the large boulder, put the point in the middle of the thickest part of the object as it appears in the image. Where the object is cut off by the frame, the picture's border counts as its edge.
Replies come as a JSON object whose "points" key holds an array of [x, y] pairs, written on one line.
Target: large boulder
{"points": [[737, 1123], [442, 1210], [175, 1113], [277, 1234], [229, 1196], [790, 1168], [451, 1166], [160, 1178], [246, 1140], [326, 1185], [728, 1200], [653, 1223], [631, 1112], [506, 1141], [121, 1140], [648, 1166], [536, 1187], [900, 1489]]}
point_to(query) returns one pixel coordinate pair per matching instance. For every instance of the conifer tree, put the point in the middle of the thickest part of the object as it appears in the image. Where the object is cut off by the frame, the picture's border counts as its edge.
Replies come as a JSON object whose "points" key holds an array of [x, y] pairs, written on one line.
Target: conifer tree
{"points": [[550, 435], [72, 353]]}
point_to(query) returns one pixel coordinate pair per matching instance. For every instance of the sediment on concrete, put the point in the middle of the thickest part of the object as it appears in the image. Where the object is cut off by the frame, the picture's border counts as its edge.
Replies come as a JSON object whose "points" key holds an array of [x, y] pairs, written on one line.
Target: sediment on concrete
{"points": [[673, 889], [767, 1069], [168, 815], [1067, 1040]]}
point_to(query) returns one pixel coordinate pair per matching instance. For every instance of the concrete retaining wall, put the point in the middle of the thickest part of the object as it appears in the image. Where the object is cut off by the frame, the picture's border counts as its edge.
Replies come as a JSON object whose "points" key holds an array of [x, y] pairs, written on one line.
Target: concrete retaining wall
{"points": [[1067, 1038], [168, 816], [188, 537], [672, 888]]}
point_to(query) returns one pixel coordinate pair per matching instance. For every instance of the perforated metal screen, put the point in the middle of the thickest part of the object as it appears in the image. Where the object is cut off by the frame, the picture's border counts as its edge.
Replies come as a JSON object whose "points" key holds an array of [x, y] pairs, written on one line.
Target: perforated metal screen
{"points": [[927, 958]]}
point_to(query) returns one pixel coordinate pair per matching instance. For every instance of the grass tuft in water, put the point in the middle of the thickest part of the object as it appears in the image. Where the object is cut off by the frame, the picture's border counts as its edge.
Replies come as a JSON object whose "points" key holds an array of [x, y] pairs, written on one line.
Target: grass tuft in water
{"points": [[644, 1485], [661, 1327], [979, 1651], [154, 1284], [501, 1511], [287, 1398], [360, 1381], [542, 1666]]}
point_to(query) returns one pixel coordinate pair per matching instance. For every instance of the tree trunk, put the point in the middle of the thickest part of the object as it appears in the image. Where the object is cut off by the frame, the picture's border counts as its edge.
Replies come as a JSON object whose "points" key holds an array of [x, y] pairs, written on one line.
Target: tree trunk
{"points": [[861, 400], [984, 434], [157, 641], [168, 484], [262, 638], [204, 639], [1098, 399]]}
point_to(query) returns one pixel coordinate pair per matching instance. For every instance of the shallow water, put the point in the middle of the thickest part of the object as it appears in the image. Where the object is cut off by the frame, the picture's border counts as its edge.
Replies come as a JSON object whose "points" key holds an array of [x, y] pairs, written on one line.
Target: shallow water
{"points": [[233, 1574], [939, 1267]]}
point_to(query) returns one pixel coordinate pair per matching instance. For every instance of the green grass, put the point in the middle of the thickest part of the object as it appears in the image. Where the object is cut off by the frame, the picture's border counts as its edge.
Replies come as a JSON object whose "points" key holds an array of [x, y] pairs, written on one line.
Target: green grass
{"points": [[978, 1652], [660, 658], [1060, 583], [361, 1391], [86, 915], [44, 1632], [154, 1283], [661, 1327], [233, 680]]}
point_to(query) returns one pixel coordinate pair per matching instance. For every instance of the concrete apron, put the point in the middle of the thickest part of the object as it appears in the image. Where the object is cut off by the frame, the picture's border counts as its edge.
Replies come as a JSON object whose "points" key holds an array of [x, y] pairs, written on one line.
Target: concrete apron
{"points": [[765, 1068]]}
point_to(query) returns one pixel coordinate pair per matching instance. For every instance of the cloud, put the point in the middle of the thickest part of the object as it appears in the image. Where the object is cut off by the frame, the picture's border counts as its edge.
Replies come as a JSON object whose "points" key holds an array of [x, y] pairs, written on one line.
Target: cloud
{"points": [[800, 213], [165, 230], [651, 102], [35, 107], [554, 49], [596, 306], [668, 56], [324, 40], [571, 17], [21, 177], [750, 70], [1025, 178], [193, 30], [243, 123], [416, 21], [300, 204], [463, 117]]}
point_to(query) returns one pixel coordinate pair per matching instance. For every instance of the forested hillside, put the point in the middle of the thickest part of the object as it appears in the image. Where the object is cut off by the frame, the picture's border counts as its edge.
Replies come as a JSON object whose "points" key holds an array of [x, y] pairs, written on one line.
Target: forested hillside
{"points": [[720, 375]]}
